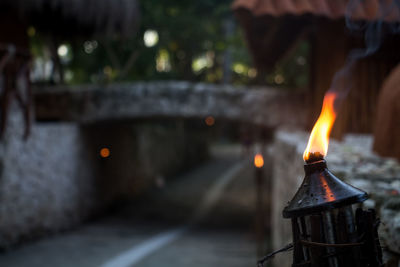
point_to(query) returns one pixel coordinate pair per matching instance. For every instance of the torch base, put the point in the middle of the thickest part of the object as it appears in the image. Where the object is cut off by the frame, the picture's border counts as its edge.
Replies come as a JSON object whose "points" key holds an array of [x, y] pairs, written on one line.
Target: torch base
{"points": [[335, 239], [321, 191]]}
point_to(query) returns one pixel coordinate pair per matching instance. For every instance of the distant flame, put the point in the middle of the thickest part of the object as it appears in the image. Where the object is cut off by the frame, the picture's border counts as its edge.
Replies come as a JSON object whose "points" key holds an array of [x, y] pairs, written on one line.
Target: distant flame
{"points": [[258, 161], [104, 152], [317, 146], [210, 121]]}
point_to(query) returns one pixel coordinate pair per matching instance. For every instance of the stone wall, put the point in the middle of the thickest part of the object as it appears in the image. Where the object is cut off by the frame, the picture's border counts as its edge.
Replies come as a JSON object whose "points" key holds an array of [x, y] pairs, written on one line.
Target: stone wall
{"points": [[56, 178], [287, 174], [46, 182], [352, 160]]}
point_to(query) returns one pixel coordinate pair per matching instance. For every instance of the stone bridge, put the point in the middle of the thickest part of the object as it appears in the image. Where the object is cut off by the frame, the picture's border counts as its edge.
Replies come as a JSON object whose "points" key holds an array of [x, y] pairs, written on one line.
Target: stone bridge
{"points": [[170, 99], [59, 166]]}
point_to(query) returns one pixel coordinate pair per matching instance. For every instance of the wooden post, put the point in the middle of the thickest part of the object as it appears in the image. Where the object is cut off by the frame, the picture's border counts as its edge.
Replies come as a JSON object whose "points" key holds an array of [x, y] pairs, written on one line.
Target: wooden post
{"points": [[260, 212]]}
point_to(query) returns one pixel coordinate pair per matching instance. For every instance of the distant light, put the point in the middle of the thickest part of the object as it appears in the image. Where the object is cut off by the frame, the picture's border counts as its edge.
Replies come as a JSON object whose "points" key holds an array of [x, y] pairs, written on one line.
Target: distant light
{"points": [[239, 68], [279, 79], [104, 152], [258, 161], [90, 46], [150, 38], [210, 121], [69, 75], [62, 50], [252, 73], [107, 70], [163, 63], [204, 61], [31, 31], [199, 63]]}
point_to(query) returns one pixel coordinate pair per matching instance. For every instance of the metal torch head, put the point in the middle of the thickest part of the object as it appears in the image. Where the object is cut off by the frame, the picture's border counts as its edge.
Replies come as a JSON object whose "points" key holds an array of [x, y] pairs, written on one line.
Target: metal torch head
{"points": [[321, 191]]}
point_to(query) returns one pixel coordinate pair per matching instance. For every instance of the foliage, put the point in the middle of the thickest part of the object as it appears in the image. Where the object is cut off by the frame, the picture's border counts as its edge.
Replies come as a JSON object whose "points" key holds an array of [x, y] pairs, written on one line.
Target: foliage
{"points": [[194, 40]]}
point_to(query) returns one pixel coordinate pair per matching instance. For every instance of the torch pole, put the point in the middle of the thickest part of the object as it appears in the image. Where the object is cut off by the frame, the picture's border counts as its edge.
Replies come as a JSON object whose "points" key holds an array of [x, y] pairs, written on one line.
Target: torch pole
{"points": [[260, 216]]}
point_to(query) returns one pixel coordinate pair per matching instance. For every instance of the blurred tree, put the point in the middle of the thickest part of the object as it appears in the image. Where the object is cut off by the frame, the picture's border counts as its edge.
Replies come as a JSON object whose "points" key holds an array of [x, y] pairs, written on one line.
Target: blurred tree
{"points": [[177, 39]]}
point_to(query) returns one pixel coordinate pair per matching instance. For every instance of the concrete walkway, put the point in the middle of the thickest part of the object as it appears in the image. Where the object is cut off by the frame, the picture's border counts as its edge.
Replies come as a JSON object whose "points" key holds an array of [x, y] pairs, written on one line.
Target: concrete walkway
{"points": [[202, 218]]}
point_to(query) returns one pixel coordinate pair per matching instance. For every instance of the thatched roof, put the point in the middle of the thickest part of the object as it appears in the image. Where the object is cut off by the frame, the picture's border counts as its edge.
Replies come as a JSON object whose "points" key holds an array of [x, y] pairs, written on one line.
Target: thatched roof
{"points": [[359, 10], [272, 27], [76, 17]]}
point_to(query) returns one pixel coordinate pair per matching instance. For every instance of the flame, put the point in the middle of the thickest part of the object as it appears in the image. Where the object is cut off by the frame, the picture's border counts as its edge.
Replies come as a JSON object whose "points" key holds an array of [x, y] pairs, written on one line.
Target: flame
{"points": [[258, 161], [210, 121], [104, 152], [319, 139]]}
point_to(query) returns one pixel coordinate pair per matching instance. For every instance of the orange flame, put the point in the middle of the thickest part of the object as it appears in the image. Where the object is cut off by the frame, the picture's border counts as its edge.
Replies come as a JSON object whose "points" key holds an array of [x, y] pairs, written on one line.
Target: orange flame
{"points": [[210, 121], [258, 161], [319, 139], [104, 152]]}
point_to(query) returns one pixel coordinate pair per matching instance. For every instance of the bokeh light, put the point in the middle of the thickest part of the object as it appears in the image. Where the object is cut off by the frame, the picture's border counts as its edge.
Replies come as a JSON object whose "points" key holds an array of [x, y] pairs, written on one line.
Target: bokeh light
{"points": [[62, 50], [105, 152], [150, 38], [210, 121], [258, 161]]}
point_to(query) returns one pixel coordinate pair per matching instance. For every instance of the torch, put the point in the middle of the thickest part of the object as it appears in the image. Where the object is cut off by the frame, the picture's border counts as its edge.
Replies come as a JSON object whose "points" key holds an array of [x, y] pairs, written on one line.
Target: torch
{"points": [[325, 229], [259, 182]]}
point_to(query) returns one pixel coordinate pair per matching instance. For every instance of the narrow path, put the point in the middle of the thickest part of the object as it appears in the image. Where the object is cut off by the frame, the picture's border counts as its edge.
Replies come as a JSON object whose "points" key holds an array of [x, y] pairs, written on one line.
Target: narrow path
{"points": [[139, 252], [184, 224]]}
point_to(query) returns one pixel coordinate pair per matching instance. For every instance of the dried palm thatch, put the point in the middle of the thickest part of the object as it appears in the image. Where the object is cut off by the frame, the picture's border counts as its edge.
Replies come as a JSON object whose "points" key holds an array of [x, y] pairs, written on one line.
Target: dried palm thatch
{"points": [[357, 10], [77, 17]]}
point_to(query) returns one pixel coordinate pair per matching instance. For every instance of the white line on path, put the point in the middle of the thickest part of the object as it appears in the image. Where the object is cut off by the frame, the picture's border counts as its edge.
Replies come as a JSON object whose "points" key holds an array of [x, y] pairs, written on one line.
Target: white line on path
{"points": [[135, 254]]}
